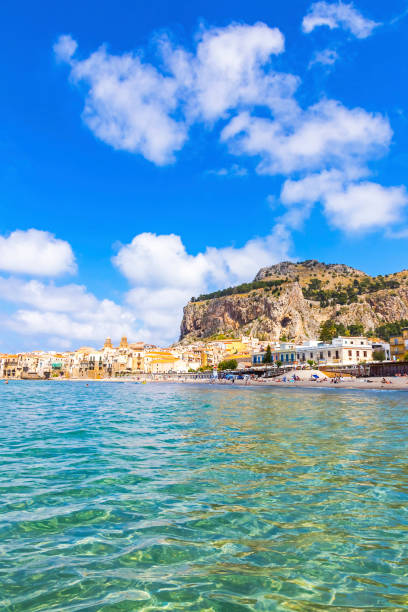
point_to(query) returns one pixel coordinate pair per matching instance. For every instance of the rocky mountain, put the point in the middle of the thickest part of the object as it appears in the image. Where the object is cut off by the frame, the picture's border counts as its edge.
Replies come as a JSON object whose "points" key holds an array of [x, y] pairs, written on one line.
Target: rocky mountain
{"points": [[292, 300]]}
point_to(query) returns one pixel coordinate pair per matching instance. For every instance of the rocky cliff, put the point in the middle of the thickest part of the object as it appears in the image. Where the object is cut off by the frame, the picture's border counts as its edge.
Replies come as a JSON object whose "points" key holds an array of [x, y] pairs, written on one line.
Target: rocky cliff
{"points": [[293, 299]]}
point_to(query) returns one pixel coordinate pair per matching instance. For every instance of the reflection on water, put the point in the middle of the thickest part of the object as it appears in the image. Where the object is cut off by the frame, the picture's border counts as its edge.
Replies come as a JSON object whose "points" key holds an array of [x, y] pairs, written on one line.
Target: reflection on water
{"points": [[131, 497]]}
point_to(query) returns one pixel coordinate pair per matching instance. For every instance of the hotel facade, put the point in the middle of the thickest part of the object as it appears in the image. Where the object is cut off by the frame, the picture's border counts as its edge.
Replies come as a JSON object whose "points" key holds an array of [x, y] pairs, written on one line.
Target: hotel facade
{"points": [[344, 350]]}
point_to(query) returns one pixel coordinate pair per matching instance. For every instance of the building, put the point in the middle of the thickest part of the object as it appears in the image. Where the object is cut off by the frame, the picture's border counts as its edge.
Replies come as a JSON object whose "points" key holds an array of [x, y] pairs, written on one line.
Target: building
{"points": [[164, 362], [381, 345], [123, 342], [285, 353], [11, 366], [399, 345], [344, 350]]}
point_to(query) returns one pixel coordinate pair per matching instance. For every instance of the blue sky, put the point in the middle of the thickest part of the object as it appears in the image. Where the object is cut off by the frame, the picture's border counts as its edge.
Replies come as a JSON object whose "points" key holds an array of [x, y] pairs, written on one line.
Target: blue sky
{"points": [[150, 153]]}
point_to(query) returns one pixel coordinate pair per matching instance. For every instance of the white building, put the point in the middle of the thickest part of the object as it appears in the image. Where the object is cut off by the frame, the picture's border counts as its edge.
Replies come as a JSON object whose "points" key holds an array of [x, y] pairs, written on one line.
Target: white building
{"points": [[344, 350], [380, 345]]}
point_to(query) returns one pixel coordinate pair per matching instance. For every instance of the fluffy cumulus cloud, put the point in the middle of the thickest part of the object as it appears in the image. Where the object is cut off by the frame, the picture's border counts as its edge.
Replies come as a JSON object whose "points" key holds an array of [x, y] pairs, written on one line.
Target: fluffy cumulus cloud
{"points": [[66, 315], [228, 83], [36, 253], [365, 206], [326, 134], [164, 276], [350, 204], [130, 105], [231, 68], [69, 314], [133, 105], [338, 15]]}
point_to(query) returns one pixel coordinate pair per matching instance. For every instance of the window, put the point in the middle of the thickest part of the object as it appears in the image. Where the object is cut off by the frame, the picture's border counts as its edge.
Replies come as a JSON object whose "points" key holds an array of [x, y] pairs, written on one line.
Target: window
{"points": [[321, 354], [358, 353], [365, 353], [329, 353], [311, 355], [337, 354], [351, 341], [349, 353]]}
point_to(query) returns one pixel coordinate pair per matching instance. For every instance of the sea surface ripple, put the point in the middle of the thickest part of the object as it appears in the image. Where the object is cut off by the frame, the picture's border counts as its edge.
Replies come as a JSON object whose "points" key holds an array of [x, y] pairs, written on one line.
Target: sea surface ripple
{"points": [[120, 496]]}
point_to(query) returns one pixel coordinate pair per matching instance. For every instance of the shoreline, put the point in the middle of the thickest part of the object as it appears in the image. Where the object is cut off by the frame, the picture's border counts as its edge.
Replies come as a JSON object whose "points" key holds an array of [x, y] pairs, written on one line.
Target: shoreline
{"points": [[364, 384]]}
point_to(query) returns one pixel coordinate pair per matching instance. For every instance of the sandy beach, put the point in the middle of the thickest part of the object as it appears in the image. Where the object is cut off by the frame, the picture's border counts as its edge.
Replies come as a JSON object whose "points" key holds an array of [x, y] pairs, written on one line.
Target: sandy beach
{"points": [[393, 384]]}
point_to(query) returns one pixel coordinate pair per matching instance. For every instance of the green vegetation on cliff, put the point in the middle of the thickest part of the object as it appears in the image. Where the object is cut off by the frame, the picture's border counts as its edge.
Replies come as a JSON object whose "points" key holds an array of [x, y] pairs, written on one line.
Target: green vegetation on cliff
{"points": [[244, 288], [346, 294], [331, 329], [387, 330]]}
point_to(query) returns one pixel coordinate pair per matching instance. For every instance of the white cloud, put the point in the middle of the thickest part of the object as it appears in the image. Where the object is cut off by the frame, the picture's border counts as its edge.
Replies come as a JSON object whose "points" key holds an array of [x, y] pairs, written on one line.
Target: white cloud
{"points": [[91, 327], [159, 261], [65, 48], [326, 134], [134, 106], [338, 15], [164, 276], [348, 205], [129, 104], [365, 206], [69, 313], [233, 170], [314, 187], [36, 253], [327, 57], [68, 298], [228, 84], [231, 68]]}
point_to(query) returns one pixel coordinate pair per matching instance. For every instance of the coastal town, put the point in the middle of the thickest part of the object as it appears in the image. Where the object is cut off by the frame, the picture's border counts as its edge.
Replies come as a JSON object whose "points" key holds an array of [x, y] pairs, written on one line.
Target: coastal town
{"points": [[247, 353]]}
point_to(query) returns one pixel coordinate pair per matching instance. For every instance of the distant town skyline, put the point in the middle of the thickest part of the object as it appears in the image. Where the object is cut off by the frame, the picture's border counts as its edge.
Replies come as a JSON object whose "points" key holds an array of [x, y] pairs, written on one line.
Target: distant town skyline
{"points": [[151, 154]]}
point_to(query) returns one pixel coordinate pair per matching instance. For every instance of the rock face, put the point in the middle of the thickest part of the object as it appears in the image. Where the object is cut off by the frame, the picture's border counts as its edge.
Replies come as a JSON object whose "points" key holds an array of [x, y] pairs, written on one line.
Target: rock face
{"points": [[287, 312]]}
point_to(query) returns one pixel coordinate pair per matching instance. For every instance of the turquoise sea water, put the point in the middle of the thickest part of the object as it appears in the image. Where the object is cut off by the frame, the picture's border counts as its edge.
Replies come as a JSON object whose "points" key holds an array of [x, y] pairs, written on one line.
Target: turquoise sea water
{"points": [[168, 497]]}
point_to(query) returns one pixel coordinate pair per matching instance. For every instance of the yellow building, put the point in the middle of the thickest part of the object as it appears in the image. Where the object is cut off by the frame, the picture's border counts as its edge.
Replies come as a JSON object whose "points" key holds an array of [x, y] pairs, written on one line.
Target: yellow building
{"points": [[244, 360], [399, 345], [233, 346], [11, 366], [138, 361], [163, 362]]}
